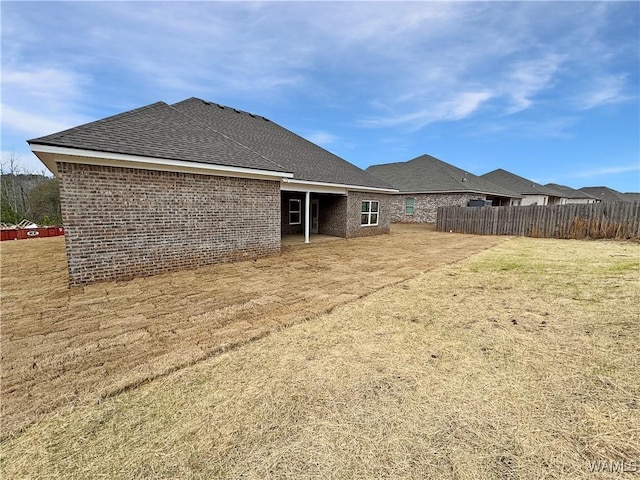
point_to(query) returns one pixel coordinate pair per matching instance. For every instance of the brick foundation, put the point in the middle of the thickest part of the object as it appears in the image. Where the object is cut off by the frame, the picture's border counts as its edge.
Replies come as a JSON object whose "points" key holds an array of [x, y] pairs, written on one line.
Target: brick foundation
{"points": [[122, 223]]}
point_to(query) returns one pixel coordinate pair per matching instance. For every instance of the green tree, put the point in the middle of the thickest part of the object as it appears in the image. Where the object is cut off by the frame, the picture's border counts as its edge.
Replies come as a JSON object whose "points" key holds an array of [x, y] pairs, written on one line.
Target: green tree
{"points": [[44, 203], [27, 195]]}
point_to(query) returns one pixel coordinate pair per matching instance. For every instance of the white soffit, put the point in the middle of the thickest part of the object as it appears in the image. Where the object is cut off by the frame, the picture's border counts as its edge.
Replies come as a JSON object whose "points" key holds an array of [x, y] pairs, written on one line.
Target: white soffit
{"points": [[321, 187], [49, 155]]}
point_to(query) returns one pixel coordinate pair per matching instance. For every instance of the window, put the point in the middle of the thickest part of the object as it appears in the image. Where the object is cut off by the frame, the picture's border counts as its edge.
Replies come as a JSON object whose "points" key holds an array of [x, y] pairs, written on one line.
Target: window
{"points": [[409, 204], [294, 211], [369, 213]]}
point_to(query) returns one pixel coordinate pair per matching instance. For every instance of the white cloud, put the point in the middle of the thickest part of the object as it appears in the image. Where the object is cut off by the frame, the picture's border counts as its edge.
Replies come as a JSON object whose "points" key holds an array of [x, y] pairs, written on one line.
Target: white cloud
{"points": [[456, 108], [40, 101], [322, 138], [465, 104], [552, 127], [613, 170], [605, 89], [44, 84], [528, 78], [391, 64], [32, 123]]}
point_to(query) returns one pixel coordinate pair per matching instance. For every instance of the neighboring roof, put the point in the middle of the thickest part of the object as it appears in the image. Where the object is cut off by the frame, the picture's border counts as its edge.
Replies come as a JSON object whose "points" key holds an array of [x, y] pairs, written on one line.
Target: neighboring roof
{"points": [[207, 133], [306, 160], [518, 184], [427, 174], [568, 192], [605, 194], [632, 196]]}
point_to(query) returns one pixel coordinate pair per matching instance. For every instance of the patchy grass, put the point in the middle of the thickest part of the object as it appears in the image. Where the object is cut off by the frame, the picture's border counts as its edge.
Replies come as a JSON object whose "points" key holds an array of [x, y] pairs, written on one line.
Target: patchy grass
{"points": [[471, 370], [63, 347]]}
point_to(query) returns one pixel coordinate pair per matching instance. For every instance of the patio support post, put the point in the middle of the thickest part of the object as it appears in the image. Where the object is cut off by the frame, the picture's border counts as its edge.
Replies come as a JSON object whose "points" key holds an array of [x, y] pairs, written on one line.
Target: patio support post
{"points": [[307, 216]]}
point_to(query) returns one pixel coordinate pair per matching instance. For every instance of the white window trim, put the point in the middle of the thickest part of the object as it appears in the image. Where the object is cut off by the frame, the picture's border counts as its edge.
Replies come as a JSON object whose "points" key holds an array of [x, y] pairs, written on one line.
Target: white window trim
{"points": [[412, 206], [368, 213], [298, 211]]}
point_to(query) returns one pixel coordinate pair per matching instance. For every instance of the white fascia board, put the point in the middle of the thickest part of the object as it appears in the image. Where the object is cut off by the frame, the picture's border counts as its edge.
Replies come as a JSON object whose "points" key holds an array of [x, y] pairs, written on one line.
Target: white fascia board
{"points": [[515, 195], [322, 187], [51, 154]]}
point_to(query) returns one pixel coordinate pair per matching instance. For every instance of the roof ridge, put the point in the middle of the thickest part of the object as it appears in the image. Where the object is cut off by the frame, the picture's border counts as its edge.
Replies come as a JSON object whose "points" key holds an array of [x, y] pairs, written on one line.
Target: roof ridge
{"points": [[471, 178], [427, 174], [306, 141], [442, 165], [226, 107], [209, 127]]}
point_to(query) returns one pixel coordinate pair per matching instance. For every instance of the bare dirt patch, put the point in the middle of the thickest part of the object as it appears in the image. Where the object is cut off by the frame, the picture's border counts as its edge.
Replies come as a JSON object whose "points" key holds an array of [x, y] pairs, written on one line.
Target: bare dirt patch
{"points": [[61, 346], [518, 362]]}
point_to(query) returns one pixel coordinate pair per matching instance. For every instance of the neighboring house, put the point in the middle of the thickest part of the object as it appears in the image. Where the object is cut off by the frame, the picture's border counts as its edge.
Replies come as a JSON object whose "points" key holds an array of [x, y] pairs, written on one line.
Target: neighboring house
{"points": [[532, 193], [572, 195], [426, 183], [166, 187], [631, 196], [605, 194]]}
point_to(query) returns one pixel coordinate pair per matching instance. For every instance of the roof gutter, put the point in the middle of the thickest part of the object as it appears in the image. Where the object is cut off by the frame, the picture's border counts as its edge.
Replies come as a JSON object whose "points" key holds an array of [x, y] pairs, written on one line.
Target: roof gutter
{"points": [[444, 192], [321, 187]]}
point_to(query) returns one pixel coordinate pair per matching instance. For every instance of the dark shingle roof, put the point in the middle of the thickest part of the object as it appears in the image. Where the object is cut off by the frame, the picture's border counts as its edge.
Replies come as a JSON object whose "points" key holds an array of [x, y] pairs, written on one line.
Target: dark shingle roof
{"points": [[306, 160], [518, 184], [197, 131], [568, 192], [426, 174], [159, 131], [605, 194], [631, 196]]}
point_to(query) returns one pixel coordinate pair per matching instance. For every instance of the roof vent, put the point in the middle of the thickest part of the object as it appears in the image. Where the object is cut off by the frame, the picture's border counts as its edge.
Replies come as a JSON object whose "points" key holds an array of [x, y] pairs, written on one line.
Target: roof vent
{"points": [[206, 103], [236, 110], [220, 106]]}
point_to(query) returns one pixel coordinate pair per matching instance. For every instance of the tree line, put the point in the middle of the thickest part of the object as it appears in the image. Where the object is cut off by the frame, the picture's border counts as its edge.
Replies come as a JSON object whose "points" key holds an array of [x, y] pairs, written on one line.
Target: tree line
{"points": [[25, 195]]}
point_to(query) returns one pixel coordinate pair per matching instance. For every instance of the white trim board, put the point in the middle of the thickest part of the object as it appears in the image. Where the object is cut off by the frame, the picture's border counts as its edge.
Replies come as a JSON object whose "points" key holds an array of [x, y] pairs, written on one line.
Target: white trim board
{"points": [[49, 155], [322, 187]]}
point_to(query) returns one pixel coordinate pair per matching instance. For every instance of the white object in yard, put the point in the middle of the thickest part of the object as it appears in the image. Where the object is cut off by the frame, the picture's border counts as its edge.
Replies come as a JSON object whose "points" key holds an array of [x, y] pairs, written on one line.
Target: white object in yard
{"points": [[27, 224]]}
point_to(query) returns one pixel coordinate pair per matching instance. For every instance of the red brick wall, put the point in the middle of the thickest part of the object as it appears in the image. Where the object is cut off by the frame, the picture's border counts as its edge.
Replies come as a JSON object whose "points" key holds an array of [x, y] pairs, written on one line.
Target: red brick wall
{"points": [[122, 223]]}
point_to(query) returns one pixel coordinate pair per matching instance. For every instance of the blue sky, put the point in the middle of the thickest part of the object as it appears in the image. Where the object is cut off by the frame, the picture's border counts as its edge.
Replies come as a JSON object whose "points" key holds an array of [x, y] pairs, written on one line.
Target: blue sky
{"points": [[546, 90]]}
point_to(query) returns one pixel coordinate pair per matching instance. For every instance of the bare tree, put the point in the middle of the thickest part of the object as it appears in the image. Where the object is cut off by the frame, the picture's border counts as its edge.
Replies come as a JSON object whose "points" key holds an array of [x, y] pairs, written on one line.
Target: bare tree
{"points": [[18, 199], [9, 170]]}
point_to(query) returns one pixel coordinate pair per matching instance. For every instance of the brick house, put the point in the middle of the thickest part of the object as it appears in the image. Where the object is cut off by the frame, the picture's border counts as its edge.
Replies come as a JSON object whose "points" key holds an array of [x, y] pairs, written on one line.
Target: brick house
{"points": [[531, 192], [571, 195], [166, 187], [426, 183], [607, 195]]}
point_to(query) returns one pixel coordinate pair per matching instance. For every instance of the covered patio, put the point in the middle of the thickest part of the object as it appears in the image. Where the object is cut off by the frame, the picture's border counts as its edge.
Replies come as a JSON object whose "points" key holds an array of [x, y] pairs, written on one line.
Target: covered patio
{"points": [[299, 239], [312, 216]]}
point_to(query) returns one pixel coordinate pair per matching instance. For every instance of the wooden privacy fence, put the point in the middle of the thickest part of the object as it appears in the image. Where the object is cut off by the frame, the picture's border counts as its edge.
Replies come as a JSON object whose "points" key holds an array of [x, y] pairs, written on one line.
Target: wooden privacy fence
{"points": [[599, 220]]}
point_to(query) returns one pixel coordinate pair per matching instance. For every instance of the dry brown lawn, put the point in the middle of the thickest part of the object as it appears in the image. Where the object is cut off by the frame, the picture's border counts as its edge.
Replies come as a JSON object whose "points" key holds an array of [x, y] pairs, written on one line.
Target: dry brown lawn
{"points": [[520, 361], [63, 347]]}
